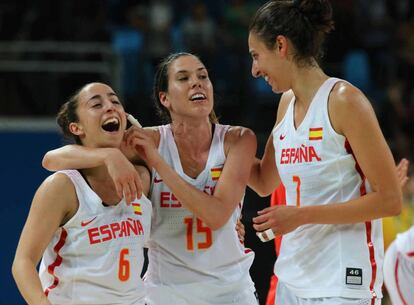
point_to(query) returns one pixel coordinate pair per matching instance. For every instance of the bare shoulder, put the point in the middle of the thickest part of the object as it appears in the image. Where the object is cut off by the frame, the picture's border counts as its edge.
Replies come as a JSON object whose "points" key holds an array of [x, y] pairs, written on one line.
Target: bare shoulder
{"points": [[284, 102], [57, 193], [58, 182], [238, 135], [347, 103]]}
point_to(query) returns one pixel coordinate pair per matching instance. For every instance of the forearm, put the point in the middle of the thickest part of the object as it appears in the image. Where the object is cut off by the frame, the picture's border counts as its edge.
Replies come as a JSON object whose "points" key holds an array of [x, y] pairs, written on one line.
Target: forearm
{"points": [[210, 209], [28, 282], [368, 207], [75, 156], [261, 183]]}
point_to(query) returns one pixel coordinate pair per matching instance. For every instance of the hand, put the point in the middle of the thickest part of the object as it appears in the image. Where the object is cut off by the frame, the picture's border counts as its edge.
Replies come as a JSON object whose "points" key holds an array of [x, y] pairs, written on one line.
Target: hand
{"points": [[241, 232], [144, 144], [281, 219], [402, 169], [127, 181]]}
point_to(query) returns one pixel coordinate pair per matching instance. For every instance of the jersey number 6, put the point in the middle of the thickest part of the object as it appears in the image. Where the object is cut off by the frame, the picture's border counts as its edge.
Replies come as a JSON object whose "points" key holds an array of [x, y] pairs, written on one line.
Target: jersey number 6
{"points": [[123, 270]]}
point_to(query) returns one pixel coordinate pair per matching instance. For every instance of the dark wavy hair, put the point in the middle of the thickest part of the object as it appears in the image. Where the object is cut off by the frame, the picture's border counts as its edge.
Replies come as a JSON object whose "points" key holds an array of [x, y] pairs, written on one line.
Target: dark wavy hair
{"points": [[304, 22], [68, 114]]}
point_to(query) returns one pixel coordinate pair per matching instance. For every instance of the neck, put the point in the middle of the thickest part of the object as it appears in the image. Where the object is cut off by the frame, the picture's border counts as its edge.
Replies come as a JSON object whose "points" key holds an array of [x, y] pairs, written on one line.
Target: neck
{"points": [[306, 83], [192, 136]]}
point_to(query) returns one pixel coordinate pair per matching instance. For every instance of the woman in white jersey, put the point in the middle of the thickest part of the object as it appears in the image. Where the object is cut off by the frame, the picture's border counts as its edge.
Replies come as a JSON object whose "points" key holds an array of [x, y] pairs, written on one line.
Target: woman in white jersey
{"points": [[200, 172], [328, 151], [399, 266], [91, 240]]}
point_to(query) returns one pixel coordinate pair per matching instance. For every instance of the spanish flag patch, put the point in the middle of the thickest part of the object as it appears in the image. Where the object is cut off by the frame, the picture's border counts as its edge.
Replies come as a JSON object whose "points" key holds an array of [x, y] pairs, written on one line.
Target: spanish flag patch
{"points": [[315, 133], [137, 208], [215, 173]]}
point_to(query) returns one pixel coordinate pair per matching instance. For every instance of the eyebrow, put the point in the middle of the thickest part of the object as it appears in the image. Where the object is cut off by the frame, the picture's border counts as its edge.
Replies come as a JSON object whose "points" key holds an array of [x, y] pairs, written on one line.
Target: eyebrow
{"points": [[186, 71], [110, 94]]}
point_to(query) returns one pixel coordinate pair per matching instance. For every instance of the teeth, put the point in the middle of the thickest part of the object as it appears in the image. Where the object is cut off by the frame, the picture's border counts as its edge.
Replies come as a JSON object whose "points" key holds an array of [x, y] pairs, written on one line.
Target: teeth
{"points": [[112, 120], [266, 78], [198, 96]]}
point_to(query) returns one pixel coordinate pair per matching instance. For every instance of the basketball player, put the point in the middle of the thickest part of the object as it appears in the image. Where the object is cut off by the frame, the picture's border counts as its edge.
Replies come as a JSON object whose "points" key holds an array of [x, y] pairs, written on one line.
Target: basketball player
{"points": [[200, 171], [278, 198], [399, 266], [328, 151], [91, 240]]}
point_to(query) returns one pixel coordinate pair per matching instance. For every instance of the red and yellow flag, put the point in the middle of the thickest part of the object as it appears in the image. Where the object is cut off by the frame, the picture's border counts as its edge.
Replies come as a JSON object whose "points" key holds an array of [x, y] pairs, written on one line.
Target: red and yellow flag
{"points": [[215, 173], [137, 208], [315, 133]]}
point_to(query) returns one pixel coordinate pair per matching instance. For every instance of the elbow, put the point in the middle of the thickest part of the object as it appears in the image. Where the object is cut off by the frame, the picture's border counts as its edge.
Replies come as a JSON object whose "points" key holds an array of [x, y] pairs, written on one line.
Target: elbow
{"points": [[46, 162], [394, 203], [216, 224], [14, 269], [263, 193]]}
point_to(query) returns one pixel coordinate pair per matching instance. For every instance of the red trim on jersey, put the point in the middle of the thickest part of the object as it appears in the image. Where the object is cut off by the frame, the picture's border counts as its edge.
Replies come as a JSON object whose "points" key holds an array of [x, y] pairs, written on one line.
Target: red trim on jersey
{"points": [[410, 254], [368, 225], [58, 261], [247, 250], [397, 262], [278, 198]]}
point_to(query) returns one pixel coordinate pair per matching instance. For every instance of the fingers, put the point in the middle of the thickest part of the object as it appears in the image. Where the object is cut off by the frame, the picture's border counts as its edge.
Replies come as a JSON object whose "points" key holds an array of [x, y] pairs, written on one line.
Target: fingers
{"points": [[119, 189], [240, 231], [260, 218], [127, 193], [261, 227], [402, 170], [138, 187]]}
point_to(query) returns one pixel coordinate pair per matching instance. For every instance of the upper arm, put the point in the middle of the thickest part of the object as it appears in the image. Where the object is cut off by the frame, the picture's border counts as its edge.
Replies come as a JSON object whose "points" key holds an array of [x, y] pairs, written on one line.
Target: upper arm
{"points": [[353, 116], [54, 203], [241, 149]]}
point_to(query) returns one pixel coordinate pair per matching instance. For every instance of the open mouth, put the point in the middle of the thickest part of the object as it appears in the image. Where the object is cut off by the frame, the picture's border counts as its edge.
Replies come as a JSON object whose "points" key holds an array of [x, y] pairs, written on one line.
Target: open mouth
{"points": [[111, 125], [198, 97]]}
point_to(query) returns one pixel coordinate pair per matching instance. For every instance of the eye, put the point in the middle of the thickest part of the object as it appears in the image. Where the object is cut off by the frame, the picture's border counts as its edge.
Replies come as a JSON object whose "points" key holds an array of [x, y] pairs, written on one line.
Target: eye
{"points": [[97, 105], [203, 76], [183, 78], [116, 102]]}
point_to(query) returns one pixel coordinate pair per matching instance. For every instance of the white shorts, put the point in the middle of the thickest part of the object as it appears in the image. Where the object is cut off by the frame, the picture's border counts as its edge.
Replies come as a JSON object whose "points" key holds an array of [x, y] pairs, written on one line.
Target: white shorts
{"points": [[398, 276], [286, 297], [163, 295]]}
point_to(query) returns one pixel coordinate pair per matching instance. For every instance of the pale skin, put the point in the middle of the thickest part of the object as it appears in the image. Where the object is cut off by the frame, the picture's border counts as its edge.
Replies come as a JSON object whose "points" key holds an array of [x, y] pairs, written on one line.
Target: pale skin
{"points": [[351, 115], [192, 132], [45, 215]]}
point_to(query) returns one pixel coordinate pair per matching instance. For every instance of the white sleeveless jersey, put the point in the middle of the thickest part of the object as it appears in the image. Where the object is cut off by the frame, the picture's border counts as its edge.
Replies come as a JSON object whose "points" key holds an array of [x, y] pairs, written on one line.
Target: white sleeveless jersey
{"points": [[207, 266], [405, 243], [316, 165], [97, 256]]}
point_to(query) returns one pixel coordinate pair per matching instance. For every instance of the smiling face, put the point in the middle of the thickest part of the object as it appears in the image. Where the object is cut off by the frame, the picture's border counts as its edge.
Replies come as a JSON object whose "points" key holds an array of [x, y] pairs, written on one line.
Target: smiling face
{"points": [[271, 64], [190, 92], [101, 117]]}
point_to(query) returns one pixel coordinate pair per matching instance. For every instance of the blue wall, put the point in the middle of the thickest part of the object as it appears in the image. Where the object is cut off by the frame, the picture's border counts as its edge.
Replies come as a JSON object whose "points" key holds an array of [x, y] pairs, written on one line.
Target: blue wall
{"points": [[21, 173]]}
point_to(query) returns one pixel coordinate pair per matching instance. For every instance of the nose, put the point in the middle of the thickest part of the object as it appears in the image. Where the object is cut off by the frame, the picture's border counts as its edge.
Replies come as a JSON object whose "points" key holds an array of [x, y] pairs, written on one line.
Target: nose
{"points": [[255, 70], [109, 105], [195, 81]]}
